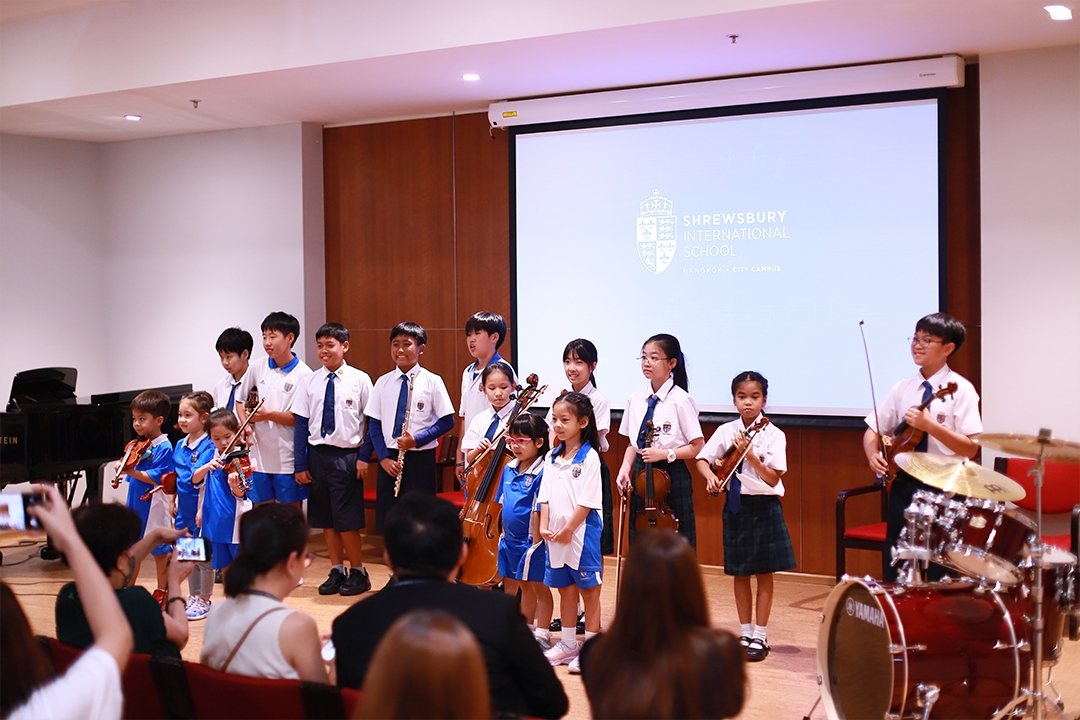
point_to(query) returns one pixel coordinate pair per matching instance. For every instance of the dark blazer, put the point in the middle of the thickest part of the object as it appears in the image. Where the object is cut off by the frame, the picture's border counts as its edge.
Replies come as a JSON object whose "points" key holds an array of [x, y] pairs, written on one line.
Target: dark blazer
{"points": [[521, 680]]}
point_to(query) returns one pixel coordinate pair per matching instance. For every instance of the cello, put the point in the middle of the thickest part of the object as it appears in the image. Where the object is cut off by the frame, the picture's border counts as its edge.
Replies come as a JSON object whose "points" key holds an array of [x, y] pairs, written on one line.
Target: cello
{"points": [[481, 518], [652, 487]]}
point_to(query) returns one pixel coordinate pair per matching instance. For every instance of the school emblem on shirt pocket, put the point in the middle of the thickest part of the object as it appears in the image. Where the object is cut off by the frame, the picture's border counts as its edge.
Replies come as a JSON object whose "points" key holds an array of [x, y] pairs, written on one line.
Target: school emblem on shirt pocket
{"points": [[576, 471], [348, 402], [419, 404], [666, 427], [288, 387], [941, 418]]}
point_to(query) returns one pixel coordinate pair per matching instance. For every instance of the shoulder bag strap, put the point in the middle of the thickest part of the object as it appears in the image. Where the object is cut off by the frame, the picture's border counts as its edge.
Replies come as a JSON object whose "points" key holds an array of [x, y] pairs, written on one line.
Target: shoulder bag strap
{"points": [[225, 667]]}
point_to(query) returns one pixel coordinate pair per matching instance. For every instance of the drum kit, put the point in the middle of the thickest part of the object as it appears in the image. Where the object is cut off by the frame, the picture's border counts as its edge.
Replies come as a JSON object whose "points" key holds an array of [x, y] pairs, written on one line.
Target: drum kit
{"points": [[972, 646]]}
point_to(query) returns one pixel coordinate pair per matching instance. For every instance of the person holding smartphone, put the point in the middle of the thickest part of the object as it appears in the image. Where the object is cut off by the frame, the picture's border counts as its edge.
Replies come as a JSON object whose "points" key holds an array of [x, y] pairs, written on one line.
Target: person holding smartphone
{"points": [[111, 532]]}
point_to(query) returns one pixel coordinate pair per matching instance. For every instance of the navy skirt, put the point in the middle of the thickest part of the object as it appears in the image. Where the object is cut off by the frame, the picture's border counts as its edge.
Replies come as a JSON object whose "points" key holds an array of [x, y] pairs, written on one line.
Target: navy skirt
{"points": [[756, 540]]}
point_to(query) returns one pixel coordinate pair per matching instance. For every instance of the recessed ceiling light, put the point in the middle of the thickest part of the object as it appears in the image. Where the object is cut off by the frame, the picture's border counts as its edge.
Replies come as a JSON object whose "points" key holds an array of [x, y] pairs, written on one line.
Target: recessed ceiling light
{"points": [[1058, 12], [133, 118], [470, 77]]}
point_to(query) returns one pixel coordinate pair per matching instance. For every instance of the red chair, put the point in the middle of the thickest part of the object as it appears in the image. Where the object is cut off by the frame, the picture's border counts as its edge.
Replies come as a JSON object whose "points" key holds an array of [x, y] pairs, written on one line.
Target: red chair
{"points": [[223, 695], [863, 537]]}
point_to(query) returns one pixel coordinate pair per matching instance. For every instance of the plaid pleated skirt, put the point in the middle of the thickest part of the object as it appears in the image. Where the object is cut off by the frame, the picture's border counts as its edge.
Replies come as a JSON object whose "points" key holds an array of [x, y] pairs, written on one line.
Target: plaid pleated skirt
{"points": [[756, 540], [680, 498]]}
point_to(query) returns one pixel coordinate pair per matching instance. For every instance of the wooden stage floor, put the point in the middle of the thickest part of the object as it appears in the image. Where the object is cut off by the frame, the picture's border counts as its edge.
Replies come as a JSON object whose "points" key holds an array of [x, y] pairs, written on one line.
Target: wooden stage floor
{"points": [[783, 686]]}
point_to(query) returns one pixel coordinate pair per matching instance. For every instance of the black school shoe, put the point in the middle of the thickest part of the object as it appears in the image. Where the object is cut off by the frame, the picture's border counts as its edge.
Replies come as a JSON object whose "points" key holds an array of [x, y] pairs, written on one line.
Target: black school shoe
{"points": [[556, 624], [757, 650], [358, 582], [333, 583]]}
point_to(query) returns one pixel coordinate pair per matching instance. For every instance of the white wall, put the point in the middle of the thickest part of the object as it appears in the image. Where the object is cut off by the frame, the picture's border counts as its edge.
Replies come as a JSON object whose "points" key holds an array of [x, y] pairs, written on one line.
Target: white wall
{"points": [[1030, 137], [161, 244], [52, 305]]}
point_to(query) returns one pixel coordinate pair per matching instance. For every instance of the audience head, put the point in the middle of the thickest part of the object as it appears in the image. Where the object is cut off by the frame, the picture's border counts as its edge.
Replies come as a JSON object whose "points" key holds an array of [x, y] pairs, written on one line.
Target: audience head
{"points": [[271, 535], [25, 665], [649, 663], [427, 665], [109, 531], [423, 536]]}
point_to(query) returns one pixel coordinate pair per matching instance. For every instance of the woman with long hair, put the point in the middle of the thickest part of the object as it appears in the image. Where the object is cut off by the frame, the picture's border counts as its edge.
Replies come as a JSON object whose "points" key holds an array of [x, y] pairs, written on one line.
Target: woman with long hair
{"points": [[252, 632], [428, 665], [661, 658]]}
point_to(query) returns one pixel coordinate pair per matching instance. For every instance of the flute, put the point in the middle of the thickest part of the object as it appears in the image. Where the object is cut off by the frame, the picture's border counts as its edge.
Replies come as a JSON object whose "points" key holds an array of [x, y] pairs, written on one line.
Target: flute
{"points": [[404, 429]]}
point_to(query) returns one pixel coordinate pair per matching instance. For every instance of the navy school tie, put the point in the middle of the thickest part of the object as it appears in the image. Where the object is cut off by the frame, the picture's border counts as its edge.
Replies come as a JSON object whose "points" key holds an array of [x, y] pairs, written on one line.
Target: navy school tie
{"points": [[644, 421], [924, 441], [232, 396], [402, 406], [492, 427], [328, 406]]}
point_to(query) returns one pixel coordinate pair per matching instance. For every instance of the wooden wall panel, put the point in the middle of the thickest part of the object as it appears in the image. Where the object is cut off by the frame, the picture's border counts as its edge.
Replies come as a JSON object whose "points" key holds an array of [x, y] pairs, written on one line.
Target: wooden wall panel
{"points": [[417, 227]]}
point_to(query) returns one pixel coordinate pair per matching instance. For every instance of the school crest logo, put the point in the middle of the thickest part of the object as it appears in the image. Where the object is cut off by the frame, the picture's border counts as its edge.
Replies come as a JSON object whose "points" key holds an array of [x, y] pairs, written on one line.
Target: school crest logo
{"points": [[656, 239], [528, 481], [941, 418], [576, 471], [667, 427], [288, 387], [419, 404], [348, 402]]}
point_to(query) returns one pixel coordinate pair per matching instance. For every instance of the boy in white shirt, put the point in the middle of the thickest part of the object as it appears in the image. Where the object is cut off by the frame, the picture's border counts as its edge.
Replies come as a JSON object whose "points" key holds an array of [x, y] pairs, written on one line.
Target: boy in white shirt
{"points": [[276, 379], [430, 415], [234, 348], [484, 335], [329, 411]]}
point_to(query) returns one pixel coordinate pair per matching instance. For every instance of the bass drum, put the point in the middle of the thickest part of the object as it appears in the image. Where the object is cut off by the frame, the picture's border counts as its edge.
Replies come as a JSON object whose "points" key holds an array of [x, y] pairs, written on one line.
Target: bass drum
{"points": [[881, 647]]}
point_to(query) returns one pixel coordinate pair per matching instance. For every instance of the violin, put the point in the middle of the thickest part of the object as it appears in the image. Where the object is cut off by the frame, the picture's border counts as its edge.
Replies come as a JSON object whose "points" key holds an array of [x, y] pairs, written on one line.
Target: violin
{"points": [[136, 451], [239, 461], [730, 460], [904, 438], [653, 487], [481, 518]]}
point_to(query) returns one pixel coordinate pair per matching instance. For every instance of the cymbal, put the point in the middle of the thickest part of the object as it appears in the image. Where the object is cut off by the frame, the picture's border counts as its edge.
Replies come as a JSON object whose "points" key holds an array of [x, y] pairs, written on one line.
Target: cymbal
{"points": [[1029, 446], [961, 476]]}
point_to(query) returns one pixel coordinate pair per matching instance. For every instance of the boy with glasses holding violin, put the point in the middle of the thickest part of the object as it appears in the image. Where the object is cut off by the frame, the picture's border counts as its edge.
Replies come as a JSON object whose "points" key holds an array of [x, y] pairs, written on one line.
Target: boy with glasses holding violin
{"points": [[948, 423]]}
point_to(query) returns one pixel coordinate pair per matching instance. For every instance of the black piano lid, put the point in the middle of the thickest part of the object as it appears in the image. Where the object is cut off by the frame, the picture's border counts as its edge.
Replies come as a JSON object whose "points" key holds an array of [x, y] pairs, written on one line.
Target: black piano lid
{"points": [[55, 385]]}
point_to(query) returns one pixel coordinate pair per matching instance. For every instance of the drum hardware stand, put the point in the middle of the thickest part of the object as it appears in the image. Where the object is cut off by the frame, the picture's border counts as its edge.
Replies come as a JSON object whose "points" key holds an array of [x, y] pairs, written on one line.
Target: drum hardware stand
{"points": [[917, 559], [927, 695], [816, 702], [1037, 701]]}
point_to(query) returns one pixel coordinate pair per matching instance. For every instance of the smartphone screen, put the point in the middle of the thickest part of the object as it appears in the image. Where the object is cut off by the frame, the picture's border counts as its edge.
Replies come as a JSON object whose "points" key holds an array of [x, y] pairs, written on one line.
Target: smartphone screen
{"points": [[13, 514], [191, 549]]}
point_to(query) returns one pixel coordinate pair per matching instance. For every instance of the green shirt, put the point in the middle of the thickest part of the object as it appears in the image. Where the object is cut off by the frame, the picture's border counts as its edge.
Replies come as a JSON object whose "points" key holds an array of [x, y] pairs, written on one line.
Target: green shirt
{"points": [[142, 610]]}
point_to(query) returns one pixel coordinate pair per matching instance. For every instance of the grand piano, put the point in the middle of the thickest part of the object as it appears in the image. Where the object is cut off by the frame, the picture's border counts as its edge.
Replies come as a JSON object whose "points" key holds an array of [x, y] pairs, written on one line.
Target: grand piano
{"points": [[49, 434]]}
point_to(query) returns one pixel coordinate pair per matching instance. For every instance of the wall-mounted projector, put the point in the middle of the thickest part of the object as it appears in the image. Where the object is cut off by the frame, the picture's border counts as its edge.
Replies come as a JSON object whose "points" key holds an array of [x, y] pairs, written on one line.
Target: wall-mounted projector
{"points": [[947, 71]]}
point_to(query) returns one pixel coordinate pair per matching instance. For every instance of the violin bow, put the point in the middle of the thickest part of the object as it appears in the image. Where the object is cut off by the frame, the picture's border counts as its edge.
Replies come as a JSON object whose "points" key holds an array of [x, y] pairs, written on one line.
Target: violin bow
{"points": [[873, 398], [528, 397]]}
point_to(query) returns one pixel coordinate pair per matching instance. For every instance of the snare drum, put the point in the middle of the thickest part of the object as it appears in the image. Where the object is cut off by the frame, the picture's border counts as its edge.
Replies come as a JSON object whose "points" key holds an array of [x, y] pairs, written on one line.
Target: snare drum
{"points": [[881, 646], [988, 541]]}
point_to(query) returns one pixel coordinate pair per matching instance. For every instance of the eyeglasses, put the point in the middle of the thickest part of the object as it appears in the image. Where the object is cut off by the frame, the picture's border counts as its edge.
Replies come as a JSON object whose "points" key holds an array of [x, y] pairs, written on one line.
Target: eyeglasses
{"points": [[651, 360], [922, 342], [518, 441]]}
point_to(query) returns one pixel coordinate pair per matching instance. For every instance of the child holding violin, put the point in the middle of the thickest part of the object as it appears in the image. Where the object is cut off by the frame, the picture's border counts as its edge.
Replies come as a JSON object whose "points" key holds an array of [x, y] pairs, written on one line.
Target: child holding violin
{"points": [[756, 539], [947, 424], [329, 410], [570, 503], [677, 433], [234, 348], [498, 383], [522, 553], [189, 459], [225, 498], [150, 466]]}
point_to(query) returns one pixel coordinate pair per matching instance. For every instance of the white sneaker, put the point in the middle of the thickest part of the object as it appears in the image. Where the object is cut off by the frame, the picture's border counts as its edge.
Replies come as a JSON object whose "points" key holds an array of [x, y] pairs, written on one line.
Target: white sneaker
{"points": [[561, 653], [575, 666], [544, 638], [198, 608]]}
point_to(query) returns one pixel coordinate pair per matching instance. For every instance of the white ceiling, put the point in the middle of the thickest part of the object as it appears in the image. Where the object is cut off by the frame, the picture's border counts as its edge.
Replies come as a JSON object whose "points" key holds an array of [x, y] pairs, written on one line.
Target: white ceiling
{"points": [[72, 68]]}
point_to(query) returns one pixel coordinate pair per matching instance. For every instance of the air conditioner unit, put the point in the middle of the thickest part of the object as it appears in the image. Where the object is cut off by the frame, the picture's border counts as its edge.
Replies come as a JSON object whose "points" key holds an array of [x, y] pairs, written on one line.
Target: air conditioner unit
{"points": [[947, 71]]}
